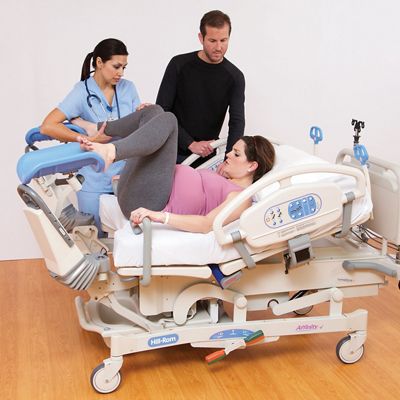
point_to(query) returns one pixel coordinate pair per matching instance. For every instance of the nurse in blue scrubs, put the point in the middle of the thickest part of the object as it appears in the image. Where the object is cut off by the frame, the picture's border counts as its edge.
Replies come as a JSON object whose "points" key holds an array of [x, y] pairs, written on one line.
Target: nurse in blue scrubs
{"points": [[103, 96]]}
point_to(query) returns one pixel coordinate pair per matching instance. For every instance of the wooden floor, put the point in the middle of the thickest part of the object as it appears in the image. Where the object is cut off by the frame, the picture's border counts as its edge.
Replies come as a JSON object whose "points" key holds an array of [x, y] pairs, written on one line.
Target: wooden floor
{"points": [[45, 354]]}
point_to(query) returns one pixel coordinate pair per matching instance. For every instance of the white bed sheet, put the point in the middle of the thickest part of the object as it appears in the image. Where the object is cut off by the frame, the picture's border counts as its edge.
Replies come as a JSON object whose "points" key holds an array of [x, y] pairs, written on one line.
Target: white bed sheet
{"points": [[110, 213], [173, 247]]}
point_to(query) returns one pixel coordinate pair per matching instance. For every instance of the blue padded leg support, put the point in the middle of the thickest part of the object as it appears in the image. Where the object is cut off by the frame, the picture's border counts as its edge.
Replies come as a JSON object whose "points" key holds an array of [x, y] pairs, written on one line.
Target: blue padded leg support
{"points": [[63, 158]]}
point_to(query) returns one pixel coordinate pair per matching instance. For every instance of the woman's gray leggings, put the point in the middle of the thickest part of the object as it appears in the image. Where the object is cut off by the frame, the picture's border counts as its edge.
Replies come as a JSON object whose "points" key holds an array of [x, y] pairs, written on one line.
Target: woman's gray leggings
{"points": [[149, 146]]}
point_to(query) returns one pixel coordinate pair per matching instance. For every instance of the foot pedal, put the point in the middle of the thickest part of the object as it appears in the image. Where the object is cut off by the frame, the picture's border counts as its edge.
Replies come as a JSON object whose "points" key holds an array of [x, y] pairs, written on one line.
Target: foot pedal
{"points": [[249, 340]]}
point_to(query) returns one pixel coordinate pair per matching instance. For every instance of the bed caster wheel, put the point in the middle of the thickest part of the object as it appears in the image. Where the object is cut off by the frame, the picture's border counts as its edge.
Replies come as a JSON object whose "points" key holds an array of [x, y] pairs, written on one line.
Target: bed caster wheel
{"points": [[297, 295], [102, 384], [303, 311], [344, 352]]}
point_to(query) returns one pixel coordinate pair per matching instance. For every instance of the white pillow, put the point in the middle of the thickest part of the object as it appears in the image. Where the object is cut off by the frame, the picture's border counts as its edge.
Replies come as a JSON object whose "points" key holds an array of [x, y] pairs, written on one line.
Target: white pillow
{"points": [[287, 156]]}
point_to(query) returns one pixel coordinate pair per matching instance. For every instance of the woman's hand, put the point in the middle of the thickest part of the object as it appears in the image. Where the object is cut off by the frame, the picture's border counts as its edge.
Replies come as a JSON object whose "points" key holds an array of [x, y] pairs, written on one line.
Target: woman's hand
{"points": [[139, 214]]}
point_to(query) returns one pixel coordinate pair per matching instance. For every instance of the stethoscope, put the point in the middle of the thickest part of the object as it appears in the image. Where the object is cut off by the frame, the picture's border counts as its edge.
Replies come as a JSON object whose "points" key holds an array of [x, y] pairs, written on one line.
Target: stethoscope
{"points": [[97, 98]]}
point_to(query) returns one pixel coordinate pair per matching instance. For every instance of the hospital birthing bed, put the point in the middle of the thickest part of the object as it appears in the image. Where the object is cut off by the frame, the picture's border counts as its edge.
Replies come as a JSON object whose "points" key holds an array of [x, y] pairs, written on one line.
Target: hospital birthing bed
{"points": [[301, 243]]}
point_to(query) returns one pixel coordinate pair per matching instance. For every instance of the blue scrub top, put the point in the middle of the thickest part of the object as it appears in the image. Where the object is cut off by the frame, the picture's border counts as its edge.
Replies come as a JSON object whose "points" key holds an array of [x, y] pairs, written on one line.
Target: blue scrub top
{"points": [[75, 105]]}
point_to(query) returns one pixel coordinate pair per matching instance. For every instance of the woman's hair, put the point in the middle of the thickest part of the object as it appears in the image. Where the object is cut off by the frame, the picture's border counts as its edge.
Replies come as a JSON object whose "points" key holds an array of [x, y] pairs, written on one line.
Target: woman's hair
{"points": [[105, 50], [262, 151]]}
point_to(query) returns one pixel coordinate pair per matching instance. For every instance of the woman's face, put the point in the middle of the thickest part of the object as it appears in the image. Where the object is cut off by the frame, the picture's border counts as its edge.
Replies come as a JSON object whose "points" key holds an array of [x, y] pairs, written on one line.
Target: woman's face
{"points": [[113, 69], [236, 164]]}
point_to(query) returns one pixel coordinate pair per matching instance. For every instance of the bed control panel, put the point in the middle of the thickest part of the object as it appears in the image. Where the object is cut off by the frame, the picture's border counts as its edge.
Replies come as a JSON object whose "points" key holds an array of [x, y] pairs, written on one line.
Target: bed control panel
{"points": [[292, 210]]}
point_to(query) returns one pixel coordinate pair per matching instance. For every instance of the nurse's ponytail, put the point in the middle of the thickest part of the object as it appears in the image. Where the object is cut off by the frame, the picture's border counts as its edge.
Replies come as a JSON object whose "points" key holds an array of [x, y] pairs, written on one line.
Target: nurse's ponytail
{"points": [[86, 67]]}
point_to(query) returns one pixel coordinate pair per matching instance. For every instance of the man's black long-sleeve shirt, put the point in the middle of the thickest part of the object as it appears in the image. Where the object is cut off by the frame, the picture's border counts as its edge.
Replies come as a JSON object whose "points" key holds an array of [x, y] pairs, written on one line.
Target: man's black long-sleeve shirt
{"points": [[199, 94]]}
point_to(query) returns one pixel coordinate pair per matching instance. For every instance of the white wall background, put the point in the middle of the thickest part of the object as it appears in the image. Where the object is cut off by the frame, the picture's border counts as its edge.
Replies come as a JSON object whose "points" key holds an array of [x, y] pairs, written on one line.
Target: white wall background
{"points": [[306, 62]]}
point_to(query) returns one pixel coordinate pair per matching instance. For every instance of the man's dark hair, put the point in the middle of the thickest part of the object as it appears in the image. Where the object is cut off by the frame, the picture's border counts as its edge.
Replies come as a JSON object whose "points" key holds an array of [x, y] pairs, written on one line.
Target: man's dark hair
{"points": [[215, 19]]}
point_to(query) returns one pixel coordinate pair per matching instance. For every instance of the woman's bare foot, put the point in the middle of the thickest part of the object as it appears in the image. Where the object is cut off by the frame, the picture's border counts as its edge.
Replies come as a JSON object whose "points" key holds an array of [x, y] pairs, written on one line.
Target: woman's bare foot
{"points": [[85, 143], [105, 151]]}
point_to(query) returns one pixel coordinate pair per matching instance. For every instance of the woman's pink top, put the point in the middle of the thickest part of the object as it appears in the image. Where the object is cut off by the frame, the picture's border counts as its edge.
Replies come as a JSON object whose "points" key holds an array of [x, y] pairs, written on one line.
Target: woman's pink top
{"points": [[198, 191]]}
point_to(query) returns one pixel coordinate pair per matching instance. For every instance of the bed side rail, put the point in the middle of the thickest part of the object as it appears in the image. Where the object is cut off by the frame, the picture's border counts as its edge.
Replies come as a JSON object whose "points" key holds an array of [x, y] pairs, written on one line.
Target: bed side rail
{"points": [[214, 162], [257, 222]]}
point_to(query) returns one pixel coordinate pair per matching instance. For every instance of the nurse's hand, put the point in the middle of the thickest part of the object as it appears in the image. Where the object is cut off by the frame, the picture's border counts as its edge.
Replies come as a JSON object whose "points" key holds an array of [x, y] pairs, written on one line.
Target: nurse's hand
{"points": [[139, 214], [101, 137]]}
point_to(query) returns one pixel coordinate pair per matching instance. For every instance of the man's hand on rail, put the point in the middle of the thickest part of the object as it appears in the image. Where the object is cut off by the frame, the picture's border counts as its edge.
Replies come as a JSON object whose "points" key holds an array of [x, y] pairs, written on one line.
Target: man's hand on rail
{"points": [[202, 148], [139, 214]]}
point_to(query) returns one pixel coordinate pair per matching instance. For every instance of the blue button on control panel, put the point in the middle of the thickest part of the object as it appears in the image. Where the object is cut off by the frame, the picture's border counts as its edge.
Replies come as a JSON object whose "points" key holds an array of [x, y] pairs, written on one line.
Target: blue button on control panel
{"points": [[302, 207]]}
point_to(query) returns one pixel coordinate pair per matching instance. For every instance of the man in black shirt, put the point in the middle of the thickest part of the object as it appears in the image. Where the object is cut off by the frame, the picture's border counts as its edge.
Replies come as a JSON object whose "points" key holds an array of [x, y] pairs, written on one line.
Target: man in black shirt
{"points": [[199, 87]]}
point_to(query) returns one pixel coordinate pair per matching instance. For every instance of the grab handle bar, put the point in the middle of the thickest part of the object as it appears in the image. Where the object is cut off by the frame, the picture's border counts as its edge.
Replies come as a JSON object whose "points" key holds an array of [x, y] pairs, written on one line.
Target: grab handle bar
{"points": [[362, 265]]}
